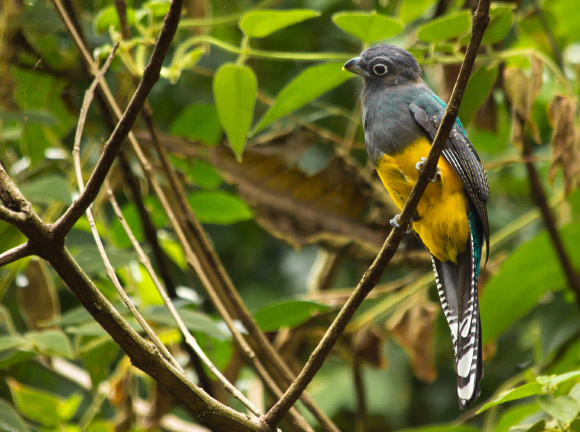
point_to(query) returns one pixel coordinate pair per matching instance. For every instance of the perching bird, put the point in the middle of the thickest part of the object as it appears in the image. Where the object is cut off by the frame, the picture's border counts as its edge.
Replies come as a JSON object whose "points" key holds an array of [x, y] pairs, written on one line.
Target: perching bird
{"points": [[400, 118]]}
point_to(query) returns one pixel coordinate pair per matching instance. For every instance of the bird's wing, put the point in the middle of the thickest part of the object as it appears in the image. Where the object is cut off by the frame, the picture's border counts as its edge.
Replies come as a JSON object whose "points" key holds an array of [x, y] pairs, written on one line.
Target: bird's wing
{"points": [[460, 154]]}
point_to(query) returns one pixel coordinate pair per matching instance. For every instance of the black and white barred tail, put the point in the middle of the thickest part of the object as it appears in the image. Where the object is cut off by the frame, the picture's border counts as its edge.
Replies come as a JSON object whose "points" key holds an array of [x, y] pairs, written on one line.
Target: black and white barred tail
{"points": [[457, 289]]}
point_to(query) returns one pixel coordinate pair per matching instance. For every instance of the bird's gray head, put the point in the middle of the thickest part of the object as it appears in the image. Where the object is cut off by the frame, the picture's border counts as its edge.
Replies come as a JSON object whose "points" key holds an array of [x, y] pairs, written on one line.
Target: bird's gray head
{"points": [[385, 65]]}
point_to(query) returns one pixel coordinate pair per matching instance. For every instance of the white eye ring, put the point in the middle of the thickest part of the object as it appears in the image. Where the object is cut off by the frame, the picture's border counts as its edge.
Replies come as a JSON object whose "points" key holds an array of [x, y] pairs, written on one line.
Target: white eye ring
{"points": [[380, 69]]}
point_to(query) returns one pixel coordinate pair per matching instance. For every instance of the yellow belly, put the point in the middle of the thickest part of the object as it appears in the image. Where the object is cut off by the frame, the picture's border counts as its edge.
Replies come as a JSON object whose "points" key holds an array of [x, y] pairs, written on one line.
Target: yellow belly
{"points": [[442, 221]]}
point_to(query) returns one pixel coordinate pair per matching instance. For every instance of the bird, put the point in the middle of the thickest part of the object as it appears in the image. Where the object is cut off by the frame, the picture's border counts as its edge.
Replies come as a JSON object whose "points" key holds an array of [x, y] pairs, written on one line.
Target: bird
{"points": [[400, 116]]}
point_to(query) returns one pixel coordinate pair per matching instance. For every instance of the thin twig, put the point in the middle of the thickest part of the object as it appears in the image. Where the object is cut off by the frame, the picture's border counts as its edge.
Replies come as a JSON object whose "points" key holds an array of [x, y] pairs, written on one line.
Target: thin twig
{"points": [[189, 338], [108, 266], [537, 191], [15, 254], [150, 76], [373, 274]]}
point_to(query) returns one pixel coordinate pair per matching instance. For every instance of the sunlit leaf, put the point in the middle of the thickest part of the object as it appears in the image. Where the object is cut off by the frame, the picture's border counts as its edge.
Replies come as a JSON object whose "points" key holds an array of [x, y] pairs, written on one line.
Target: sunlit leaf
{"points": [[235, 91], [219, 207], [43, 407], [410, 10], [261, 23], [287, 314], [109, 17], [446, 27], [307, 86], [194, 321], [529, 389], [367, 26], [515, 415], [158, 8], [11, 342]]}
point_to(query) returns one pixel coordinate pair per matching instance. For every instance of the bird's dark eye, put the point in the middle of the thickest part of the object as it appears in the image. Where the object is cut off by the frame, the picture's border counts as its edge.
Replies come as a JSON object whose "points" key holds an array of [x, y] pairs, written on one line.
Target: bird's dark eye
{"points": [[380, 69]]}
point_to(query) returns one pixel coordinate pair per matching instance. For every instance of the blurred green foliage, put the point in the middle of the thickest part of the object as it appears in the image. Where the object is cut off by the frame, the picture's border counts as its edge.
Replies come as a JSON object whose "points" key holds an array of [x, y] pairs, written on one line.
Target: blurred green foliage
{"points": [[264, 130]]}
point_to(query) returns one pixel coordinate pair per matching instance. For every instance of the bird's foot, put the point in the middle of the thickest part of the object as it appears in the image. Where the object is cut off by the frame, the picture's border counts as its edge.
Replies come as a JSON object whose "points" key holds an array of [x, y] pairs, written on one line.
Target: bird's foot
{"points": [[395, 224], [437, 175]]}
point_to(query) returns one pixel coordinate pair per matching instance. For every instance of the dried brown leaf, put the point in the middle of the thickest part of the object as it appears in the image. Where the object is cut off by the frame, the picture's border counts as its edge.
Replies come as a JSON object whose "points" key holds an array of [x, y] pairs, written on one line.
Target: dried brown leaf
{"points": [[412, 327], [329, 208], [522, 91], [565, 137], [368, 345], [38, 299]]}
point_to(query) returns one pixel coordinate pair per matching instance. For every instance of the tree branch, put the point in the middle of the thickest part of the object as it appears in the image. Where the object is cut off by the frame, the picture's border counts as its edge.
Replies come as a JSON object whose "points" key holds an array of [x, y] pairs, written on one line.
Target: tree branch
{"points": [[374, 272], [15, 254]]}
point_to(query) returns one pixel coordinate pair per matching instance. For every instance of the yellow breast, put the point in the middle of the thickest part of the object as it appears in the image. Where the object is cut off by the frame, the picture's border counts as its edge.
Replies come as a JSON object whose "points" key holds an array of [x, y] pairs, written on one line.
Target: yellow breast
{"points": [[441, 214]]}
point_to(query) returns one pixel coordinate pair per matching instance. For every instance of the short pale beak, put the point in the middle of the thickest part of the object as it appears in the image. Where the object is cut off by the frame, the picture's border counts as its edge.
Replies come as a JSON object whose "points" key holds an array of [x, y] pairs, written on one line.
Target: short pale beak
{"points": [[353, 65]]}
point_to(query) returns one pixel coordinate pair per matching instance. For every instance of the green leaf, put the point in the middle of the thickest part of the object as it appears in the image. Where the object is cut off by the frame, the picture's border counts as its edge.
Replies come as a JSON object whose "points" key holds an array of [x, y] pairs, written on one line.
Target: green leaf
{"points": [[10, 420], [204, 175], [288, 314], [515, 415], [108, 17], [367, 26], [443, 428], [47, 190], [219, 207], [529, 389], [500, 24], [445, 28], [563, 408], [98, 359], [158, 8], [410, 10], [555, 380], [307, 86], [524, 277], [11, 342], [194, 321], [43, 407], [262, 23], [235, 89], [198, 122], [51, 342], [478, 89]]}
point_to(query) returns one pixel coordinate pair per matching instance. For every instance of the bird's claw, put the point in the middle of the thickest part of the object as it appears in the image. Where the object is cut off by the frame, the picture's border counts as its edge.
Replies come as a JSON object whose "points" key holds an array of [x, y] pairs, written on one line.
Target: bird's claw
{"points": [[437, 175], [395, 224]]}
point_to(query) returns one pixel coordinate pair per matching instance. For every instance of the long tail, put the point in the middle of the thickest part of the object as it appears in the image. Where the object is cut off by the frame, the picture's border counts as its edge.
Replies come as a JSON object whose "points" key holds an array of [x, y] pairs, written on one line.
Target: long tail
{"points": [[457, 288]]}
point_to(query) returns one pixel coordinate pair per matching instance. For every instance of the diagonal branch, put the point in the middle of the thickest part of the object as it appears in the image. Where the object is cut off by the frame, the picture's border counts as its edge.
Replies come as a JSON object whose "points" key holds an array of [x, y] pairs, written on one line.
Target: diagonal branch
{"points": [[374, 272], [15, 254], [115, 142]]}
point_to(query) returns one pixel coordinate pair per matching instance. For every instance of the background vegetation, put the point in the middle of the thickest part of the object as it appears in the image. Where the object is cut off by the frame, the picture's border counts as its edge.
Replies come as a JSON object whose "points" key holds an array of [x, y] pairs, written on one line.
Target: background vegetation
{"points": [[261, 128]]}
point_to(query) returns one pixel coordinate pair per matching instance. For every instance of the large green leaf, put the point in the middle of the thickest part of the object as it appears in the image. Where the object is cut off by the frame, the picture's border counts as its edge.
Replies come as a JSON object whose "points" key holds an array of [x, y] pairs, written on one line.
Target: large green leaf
{"points": [[478, 89], [307, 86], [525, 276], [526, 390], [44, 407], [51, 342], [262, 23], [10, 342], [198, 122], [10, 420], [500, 24], [47, 190], [109, 17], [219, 207], [287, 314], [445, 28], [515, 415], [443, 428], [194, 321], [563, 408], [410, 10], [235, 89], [367, 26]]}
